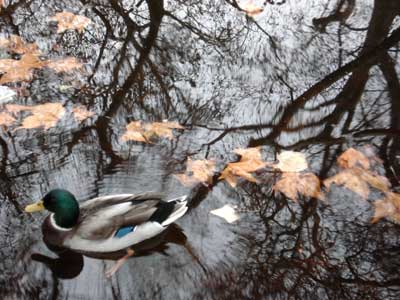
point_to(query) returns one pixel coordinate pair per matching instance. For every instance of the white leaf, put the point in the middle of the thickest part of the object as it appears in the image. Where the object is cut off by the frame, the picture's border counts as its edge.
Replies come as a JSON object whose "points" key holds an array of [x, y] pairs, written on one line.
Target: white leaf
{"points": [[6, 94], [291, 161], [226, 212]]}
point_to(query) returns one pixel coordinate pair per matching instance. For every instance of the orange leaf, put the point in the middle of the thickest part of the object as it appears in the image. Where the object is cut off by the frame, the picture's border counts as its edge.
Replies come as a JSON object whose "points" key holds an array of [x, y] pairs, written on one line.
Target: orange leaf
{"points": [[249, 153], [251, 9], [353, 158], [81, 113], [137, 131], [6, 119], [67, 20], [351, 181], [306, 184], [15, 44], [241, 169], [43, 115], [389, 207], [197, 171], [291, 161], [19, 70]]}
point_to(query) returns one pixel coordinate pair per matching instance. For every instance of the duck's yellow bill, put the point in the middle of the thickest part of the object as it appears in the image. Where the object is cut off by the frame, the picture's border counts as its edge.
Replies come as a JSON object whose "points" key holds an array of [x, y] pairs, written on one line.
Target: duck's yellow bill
{"points": [[37, 206]]}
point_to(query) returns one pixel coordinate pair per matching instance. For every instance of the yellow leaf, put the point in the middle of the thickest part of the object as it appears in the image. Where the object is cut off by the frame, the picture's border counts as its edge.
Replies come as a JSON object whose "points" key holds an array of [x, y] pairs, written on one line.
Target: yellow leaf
{"points": [[81, 113], [226, 212], [64, 64], [353, 158], [291, 161], [306, 184], [67, 20], [389, 207], [19, 70], [197, 171], [6, 119]]}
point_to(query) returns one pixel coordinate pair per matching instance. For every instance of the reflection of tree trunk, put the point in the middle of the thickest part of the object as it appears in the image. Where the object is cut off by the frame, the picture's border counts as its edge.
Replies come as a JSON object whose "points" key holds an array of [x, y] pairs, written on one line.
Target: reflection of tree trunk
{"points": [[375, 45], [341, 14], [387, 66]]}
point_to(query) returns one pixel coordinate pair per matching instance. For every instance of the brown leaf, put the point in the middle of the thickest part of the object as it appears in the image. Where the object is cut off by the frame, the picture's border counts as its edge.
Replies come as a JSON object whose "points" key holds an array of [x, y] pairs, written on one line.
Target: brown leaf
{"points": [[43, 115], [353, 158], [389, 207], [64, 64], [19, 70], [81, 113], [139, 132], [16, 44], [241, 169], [67, 20], [291, 161], [6, 119], [306, 184], [351, 181], [197, 171]]}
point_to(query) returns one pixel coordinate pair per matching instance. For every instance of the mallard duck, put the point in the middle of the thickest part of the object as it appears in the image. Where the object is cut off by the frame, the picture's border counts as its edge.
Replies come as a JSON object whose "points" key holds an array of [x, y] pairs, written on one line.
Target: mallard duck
{"points": [[106, 224]]}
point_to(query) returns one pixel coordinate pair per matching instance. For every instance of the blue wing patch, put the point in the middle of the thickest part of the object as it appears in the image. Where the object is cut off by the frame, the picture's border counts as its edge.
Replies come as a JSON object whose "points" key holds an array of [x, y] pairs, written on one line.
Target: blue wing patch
{"points": [[124, 231]]}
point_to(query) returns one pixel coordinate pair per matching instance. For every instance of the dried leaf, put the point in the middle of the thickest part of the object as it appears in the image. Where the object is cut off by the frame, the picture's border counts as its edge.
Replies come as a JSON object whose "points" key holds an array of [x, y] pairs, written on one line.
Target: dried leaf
{"points": [[251, 9], [64, 64], [306, 184], [358, 180], [19, 70], [249, 153], [241, 169], [16, 44], [353, 158], [43, 115], [81, 113], [67, 20], [6, 119], [139, 132], [351, 181], [291, 161], [197, 171], [226, 212], [389, 207]]}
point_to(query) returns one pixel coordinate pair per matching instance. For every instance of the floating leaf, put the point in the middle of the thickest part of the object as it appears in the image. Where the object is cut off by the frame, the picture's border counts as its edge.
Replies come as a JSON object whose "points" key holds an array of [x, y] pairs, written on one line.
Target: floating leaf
{"points": [[81, 113], [197, 171], [389, 207], [250, 161], [226, 212], [67, 20], [16, 44], [353, 158], [291, 161], [19, 70], [43, 115], [6, 94], [358, 180], [64, 64], [140, 132], [249, 153], [6, 119], [251, 9], [306, 184]]}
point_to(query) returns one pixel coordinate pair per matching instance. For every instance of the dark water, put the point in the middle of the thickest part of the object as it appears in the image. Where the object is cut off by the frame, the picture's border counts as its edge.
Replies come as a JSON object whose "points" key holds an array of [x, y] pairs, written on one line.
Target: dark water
{"points": [[314, 76]]}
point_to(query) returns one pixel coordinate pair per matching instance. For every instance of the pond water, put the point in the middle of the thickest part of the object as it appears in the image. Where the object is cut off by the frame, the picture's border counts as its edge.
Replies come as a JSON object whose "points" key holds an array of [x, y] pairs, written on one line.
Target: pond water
{"points": [[314, 76]]}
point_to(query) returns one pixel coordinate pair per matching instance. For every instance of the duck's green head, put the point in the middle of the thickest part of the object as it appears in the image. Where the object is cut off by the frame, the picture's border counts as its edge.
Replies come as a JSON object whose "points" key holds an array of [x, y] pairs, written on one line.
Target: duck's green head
{"points": [[62, 203]]}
